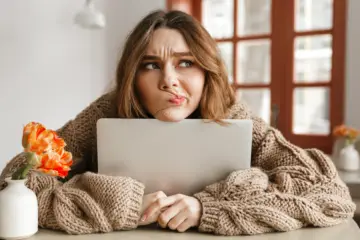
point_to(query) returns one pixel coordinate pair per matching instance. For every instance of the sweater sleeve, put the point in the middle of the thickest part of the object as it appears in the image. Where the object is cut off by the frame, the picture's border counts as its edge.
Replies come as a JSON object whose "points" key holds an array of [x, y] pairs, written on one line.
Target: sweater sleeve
{"points": [[287, 188], [88, 202]]}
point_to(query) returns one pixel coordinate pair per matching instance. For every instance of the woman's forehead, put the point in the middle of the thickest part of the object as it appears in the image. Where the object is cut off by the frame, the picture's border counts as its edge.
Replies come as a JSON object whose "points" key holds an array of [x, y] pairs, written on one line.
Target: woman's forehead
{"points": [[166, 40]]}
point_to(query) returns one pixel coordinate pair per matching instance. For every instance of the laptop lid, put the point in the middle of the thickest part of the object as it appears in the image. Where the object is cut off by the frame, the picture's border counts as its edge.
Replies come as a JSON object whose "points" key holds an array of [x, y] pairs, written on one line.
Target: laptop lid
{"points": [[181, 157]]}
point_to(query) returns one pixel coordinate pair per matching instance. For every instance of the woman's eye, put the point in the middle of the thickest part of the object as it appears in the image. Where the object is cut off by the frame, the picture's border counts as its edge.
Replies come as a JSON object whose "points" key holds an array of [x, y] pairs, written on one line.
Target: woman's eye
{"points": [[186, 64], [151, 66]]}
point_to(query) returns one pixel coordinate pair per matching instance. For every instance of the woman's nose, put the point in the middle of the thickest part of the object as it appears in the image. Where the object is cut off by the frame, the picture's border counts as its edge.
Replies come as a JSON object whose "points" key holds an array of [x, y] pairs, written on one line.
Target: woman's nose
{"points": [[168, 84], [169, 79]]}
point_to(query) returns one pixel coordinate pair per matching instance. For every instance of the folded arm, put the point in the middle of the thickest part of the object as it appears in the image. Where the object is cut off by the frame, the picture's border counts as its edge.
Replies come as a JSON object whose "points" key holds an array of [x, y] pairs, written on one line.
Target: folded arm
{"points": [[287, 188], [88, 202]]}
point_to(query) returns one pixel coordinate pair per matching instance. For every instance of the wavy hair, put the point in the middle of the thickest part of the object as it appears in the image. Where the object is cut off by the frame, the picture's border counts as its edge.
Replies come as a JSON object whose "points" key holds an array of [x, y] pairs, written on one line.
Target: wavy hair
{"points": [[218, 95]]}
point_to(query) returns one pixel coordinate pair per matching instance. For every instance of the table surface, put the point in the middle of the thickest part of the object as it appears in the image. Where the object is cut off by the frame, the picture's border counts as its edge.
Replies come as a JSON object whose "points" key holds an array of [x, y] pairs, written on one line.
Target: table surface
{"points": [[350, 177], [348, 230]]}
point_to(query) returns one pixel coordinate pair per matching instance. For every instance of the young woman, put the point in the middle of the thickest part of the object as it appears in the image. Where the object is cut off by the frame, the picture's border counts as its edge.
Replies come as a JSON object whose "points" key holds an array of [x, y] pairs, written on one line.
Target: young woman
{"points": [[171, 70]]}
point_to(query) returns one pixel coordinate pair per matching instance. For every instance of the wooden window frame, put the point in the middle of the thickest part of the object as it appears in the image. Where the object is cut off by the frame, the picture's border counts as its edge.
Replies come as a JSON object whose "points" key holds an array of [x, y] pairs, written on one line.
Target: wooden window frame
{"points": [[336, 83], [282, 85]]}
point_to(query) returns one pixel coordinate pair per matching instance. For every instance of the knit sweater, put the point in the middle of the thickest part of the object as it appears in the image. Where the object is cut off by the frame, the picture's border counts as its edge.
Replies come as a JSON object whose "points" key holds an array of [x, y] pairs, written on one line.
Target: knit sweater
{"points": [[287, 187]]}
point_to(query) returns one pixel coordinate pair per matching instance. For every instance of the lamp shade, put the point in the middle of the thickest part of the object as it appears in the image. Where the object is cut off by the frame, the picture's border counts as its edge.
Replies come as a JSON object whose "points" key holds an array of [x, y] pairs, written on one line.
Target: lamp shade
{"points": [[90, 17]]}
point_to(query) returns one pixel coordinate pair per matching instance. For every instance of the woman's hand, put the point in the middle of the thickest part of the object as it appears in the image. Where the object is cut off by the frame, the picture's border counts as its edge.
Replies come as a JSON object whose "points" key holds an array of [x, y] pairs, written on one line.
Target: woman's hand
{"points": [[182, 213], [147, 201]]}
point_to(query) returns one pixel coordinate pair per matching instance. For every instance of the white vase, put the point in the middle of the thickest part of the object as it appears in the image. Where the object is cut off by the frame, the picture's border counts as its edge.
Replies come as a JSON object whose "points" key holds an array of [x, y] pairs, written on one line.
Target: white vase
{"points": [[349, 159], [18, 211]]}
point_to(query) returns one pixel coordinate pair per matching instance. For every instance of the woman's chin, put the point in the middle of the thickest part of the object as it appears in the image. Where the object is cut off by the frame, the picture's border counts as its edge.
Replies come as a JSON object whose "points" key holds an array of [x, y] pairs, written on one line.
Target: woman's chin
{"points": [[170, 119], [171, 115]]}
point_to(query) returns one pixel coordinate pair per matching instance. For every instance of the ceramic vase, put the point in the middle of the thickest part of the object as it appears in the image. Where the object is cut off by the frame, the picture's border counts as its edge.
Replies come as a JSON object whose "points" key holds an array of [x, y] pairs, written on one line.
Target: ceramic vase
{"points": [[349, 159], [18, 211]]}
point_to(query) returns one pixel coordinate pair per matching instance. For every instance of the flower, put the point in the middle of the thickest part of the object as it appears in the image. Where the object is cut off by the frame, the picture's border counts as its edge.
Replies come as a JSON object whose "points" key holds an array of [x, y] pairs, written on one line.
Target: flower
{"points": [[343, 131], [55, 163], [44, 152], [36, 138]]}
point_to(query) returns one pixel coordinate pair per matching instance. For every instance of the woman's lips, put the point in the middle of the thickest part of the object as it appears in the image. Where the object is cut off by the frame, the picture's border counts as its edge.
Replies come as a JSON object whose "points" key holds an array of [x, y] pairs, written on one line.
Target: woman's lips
{"points": [[177, 100]]}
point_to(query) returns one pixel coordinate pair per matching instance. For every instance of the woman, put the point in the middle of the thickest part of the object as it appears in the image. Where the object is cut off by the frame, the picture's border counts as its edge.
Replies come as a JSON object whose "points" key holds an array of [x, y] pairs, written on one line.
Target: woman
{"points": [[171, 70]]}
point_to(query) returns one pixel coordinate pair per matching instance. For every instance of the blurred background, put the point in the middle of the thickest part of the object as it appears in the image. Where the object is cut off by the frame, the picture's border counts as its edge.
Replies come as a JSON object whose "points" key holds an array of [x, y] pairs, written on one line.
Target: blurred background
{"points": [[294, 62], [287, 60]]}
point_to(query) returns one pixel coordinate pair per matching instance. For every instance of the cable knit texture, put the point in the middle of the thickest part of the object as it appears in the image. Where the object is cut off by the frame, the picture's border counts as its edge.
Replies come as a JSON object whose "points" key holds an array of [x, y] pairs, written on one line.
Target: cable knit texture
{"points": [[287, 187]]}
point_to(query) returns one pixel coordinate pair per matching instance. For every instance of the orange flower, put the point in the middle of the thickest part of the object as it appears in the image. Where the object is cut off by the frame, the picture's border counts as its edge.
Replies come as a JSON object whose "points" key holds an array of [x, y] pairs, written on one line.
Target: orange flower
{"points": [[353, 133], [46, 150], [340, 131], [350, 134], [55, 164], [30, 128], [65, 157], [57, 142], [38, 139]]}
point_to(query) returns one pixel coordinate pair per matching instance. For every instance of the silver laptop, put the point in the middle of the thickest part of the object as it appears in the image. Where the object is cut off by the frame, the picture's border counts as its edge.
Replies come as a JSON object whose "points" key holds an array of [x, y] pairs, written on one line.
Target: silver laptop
{"points": [[182, 157]]}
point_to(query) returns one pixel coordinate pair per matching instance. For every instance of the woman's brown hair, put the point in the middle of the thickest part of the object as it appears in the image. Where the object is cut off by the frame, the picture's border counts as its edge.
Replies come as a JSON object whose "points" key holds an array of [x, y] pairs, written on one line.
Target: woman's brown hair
{"points": [[218, 95]]}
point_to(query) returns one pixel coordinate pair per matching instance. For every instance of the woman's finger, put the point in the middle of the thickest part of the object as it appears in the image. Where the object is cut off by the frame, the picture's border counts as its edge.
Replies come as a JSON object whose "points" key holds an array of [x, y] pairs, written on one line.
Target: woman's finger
{"points": [[170, 213], [158, 205], [175, 222], [185, 225]]}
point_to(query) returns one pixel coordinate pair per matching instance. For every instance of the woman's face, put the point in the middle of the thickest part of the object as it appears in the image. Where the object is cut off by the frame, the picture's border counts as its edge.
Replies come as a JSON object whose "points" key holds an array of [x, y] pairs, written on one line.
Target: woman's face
{"points": [[169, 83]]}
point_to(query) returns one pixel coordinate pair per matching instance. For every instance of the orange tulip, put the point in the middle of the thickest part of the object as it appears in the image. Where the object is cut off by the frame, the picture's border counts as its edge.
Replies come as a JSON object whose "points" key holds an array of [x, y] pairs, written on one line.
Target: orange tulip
{"points": [[353, 133], [39, 141], [340, 131], [57, 142], [46, 150], [32, 126], [37, 138], [54, 164], [28, 129], [350, 134], [65, 157]]}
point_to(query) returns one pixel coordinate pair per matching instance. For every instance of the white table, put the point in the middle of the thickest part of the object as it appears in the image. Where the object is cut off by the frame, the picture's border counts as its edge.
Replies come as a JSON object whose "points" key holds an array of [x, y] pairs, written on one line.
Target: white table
{"points": [[345, 231], [352, 179]]}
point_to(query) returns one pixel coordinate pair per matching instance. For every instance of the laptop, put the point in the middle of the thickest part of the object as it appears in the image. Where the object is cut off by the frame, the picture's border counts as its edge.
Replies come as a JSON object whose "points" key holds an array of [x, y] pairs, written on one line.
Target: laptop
{"points": [[182, 157]]}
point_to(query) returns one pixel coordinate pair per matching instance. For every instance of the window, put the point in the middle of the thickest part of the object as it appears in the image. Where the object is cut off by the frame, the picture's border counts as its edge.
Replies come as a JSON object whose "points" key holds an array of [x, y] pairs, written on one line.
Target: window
{"points": [[285, 57]]}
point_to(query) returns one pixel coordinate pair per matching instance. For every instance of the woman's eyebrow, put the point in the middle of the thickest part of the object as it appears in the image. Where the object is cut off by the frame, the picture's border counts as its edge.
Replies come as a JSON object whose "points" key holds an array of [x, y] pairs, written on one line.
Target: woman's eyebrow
{"points": [[175, 54]]}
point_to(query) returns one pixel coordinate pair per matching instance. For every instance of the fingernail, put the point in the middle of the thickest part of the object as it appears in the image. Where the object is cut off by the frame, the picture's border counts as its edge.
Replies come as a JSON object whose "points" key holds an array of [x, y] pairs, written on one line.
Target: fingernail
{"points": [[143, 218]]}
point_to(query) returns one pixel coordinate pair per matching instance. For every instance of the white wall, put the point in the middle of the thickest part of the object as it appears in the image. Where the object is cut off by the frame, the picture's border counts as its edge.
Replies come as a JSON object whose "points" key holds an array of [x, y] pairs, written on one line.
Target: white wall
{"points": [[123, 15], [49, 68], [352, 109]]}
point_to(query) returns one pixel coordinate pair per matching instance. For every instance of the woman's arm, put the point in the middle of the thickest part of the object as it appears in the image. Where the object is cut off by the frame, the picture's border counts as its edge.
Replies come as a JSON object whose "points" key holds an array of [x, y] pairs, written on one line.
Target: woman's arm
{"points": [[287, 188], [88, 202]]}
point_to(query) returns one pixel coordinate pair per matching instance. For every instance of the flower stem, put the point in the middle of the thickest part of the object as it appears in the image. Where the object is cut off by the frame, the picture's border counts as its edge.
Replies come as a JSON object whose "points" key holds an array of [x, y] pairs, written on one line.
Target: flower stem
{"points": [[22, 172]]}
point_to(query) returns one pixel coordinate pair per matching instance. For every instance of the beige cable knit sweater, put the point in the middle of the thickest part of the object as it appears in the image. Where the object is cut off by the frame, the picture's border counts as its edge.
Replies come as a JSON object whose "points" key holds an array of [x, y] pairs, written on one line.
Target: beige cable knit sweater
{"points": [[287, 188]]}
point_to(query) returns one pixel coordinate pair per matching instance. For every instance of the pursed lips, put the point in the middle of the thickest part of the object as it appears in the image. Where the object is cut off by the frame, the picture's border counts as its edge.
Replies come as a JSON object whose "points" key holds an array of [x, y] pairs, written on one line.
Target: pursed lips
{"points": [[177, 98]]}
